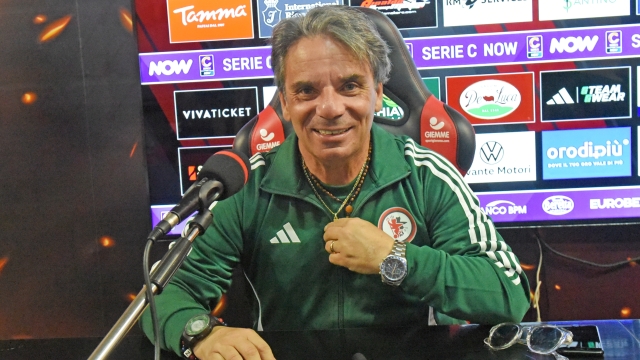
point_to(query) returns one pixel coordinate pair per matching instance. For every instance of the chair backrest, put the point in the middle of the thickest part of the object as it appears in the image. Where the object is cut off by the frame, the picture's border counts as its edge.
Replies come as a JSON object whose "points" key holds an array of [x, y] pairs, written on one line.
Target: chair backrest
{"points": [[427, 120]]}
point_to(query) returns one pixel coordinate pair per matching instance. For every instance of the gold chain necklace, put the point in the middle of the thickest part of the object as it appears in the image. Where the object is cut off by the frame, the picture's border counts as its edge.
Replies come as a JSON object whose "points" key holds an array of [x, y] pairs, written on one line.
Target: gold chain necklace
{"points": [[357, 185]]}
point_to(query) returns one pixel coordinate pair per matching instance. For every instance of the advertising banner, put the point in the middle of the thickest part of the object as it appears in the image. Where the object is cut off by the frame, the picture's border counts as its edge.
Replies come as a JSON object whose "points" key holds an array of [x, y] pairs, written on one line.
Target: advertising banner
{"points": [[493, 99], [585, 94], [205, 20], [478, 12], [503, 157], [214, 113], [562, 204], [586, 153]]}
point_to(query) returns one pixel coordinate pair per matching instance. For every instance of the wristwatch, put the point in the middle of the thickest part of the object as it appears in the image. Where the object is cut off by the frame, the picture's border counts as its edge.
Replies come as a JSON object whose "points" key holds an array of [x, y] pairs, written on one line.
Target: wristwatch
{"points": [[196, 329], [393, 268]]}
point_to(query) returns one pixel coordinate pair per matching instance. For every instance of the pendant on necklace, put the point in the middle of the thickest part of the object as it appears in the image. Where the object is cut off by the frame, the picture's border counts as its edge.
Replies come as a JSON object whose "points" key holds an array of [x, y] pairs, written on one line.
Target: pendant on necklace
{"points": [[348, 210]]}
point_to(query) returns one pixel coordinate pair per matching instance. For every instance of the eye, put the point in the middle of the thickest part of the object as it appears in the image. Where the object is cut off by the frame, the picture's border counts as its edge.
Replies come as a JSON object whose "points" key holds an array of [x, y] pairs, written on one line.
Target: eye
{"points": [[305, 91], [350, 86]]}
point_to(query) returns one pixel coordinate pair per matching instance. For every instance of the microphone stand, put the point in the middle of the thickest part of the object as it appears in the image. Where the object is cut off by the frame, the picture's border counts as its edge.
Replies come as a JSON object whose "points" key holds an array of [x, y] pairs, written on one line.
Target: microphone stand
{"points": [[161, 275]]}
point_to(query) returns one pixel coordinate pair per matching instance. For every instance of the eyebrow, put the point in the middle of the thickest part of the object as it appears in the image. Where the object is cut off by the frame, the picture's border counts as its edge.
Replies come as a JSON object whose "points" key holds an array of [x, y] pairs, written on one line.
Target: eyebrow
{"points": [[344, 79]]}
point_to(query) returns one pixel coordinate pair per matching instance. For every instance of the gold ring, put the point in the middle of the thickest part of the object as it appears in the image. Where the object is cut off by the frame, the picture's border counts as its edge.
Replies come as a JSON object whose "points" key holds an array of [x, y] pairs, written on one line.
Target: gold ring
{"points": [[331, 247]]}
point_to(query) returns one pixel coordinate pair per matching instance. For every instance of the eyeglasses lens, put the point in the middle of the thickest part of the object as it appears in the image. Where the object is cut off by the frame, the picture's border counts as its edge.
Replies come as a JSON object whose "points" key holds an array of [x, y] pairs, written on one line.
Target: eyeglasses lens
{"points": [[544, 339], [503, 335]]}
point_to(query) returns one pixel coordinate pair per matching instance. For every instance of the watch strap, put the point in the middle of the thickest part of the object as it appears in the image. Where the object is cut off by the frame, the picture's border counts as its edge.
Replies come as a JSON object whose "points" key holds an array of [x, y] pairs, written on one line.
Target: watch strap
{"points": [[188, 340], [398, 251]]}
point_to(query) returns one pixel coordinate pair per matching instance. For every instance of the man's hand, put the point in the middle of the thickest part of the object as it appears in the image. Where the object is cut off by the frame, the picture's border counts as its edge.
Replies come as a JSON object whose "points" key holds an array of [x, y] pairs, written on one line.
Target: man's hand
{"points": [[230, 343], [357, 245]]}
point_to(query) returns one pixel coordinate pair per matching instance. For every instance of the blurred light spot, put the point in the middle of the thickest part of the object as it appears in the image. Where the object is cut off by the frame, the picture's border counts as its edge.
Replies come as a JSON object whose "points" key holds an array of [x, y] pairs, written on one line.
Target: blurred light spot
{"points": [[29, 98], [557, 287], [3, 262], [625, 312], [220, 306], [631, 263], [125, 19], [131, 296], [39, 19], [21, 337], [133, 150], [107, 242], [527, 266], [54, 29]]}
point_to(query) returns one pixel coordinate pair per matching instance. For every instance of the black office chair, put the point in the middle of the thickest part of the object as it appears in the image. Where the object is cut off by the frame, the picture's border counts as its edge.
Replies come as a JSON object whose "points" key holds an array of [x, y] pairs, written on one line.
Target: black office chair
{"points": [[427, 120]]}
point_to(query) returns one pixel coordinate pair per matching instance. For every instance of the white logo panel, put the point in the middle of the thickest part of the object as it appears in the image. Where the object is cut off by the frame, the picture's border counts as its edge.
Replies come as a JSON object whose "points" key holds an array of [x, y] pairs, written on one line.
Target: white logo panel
{"points": [[580, 9], [503, 157], [477, 12]]}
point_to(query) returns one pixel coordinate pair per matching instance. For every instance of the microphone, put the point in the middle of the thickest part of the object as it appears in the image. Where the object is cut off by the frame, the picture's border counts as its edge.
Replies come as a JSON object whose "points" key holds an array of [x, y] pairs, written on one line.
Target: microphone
{"points": [[358, 356], [221, 176]]}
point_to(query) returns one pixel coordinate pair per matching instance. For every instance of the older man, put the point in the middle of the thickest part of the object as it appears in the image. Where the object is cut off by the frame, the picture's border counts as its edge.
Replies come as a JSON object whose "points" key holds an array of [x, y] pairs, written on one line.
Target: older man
{"points": [[343, 225]]}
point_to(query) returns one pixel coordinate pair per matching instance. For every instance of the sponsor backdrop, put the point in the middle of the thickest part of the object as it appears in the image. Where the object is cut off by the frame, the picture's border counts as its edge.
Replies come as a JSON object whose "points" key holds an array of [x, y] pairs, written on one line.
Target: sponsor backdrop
{"points": [[545, 97]]}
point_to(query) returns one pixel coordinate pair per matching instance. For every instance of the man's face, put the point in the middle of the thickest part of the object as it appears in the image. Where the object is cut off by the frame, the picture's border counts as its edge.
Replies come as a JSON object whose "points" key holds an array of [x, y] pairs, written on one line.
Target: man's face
{"points": [[330, 98]]}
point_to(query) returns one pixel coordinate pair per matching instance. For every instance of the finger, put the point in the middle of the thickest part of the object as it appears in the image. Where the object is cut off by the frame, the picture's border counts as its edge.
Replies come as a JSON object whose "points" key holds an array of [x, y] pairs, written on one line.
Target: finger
{"points": [[331, 234], [263, 348], [330, 247], [229, 353], [248, 351], [337, 259]]}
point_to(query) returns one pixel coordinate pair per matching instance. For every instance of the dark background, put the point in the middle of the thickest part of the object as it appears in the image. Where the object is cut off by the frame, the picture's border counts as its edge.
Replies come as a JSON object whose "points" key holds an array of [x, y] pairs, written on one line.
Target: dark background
{"points": [[74, 203]]}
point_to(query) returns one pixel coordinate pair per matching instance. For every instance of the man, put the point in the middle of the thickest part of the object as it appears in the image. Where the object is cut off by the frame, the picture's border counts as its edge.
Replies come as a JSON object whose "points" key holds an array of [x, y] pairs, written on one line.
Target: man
{"points": [[336, 202]]}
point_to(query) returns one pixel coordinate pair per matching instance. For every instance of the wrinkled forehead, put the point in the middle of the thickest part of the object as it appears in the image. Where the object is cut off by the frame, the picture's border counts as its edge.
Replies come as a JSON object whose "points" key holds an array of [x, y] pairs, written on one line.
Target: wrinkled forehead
{"points": [[307, 53]]}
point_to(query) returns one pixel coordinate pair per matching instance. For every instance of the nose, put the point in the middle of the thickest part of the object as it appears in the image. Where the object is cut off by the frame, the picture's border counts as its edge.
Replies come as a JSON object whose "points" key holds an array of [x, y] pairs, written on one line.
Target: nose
{"points": [[330, 104]]}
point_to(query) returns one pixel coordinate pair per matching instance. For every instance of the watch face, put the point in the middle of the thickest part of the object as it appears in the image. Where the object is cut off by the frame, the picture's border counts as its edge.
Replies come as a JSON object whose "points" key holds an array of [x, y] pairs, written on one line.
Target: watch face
{"points": [[197, 324], [393, 268]]}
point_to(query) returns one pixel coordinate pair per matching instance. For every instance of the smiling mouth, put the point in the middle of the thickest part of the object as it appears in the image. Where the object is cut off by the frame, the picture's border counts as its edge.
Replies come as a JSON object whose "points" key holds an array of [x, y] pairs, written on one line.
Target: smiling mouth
{"points": [[331, 132]]}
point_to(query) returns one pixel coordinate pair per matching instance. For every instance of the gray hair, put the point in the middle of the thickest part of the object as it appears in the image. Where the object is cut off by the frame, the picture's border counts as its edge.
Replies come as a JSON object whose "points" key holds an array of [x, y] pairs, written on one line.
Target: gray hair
{"points": [[346, 25]]}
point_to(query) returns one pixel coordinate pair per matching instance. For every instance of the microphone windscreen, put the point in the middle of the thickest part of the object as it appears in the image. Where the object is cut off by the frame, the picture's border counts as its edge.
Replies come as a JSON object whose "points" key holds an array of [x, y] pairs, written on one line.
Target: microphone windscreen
{"points": [[230, 167], [358, 356]]}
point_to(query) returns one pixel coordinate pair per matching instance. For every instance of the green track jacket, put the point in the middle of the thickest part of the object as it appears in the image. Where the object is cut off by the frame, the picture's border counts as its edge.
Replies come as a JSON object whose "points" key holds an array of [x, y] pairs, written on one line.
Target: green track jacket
{"points": [[459, 267]]}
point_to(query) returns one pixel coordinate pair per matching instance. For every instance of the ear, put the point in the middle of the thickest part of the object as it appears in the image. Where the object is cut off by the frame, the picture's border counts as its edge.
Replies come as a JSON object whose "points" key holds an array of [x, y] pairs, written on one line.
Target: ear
{"points": [[379, 97], [283, 104]]}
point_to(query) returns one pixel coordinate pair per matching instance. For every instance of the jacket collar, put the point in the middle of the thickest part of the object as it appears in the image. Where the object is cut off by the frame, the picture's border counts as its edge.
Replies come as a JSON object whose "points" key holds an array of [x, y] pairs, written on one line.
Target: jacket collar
{"points": [[285, 175]]}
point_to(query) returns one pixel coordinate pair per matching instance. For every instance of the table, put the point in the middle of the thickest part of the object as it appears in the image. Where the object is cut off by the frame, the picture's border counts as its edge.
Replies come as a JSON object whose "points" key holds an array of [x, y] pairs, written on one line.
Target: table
{"points": [[620, 339]]}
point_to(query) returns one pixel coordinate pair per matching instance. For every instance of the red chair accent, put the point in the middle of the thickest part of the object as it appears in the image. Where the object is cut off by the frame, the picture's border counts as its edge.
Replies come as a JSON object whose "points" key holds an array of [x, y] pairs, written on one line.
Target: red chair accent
{"points": [[426, 119]]}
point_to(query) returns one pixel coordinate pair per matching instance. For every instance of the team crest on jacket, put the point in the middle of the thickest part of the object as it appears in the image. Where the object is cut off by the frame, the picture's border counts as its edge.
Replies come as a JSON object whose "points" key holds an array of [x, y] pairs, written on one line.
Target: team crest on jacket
{"points": [[398, 223]]}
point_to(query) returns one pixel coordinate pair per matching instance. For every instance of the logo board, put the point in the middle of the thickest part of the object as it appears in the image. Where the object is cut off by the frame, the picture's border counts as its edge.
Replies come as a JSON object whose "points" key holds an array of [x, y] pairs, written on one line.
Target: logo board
{"points": [[406, 14], [477, 12], [214, 113], [202, 20], [493, 99], [586, 94], [586, 153], [580, 9], [271, 12], [190, 161], [503, 157]]}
